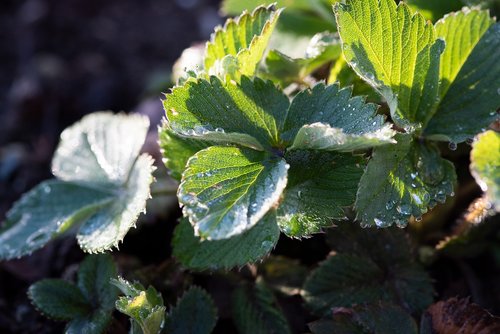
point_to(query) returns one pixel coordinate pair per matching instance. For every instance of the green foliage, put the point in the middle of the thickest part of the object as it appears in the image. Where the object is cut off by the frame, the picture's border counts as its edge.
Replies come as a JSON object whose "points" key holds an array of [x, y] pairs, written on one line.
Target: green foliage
{"points": [[144, 306], [403, 180], [237, 251], [87, 306], [255, 310], [195, 313], [370, 266], [102, 186], [367, 319], [237, 48]]}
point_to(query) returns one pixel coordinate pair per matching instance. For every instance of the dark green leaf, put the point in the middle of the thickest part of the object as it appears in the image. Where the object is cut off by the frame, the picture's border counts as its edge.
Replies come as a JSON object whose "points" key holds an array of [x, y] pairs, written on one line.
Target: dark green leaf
{"points": [[320, 185], [239, 250], [434, 10], [59, 299], [195, 313], [94, 278], [403, 180], [255, 310]]}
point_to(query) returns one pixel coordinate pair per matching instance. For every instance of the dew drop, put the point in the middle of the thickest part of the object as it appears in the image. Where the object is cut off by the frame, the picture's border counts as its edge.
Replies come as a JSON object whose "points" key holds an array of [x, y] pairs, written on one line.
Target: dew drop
{"points": [[46, 189], [452, 146], [266, 244]]}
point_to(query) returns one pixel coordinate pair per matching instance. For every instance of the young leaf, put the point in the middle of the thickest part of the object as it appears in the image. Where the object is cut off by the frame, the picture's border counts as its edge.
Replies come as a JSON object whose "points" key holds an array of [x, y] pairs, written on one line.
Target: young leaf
{"points": [[45, 212], [371, 265], [397, 53], [458, 316], [59, 299], [384, 318], [323, 48], [239, 250], [469, 74], [320, 185], [144, 306], [88, 305], [255, 311], [237, 48], [227, 190], [403, 180], [246, 114], [103, 186], [485, 165], [176, 150], [195, 313], [333, 121]]}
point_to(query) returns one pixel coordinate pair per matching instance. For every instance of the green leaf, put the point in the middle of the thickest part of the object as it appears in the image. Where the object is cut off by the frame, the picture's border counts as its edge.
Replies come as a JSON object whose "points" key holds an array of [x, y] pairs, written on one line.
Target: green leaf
{"points": [[381, 318], [320, 185], [237, 48], [95, 323], [236, 251], [323, 48], [195, 313], [334, 121], [234, 7], [434, 10], [176, 150], [485, 165], [403, 180], [45, 212], [59, 299], [103, 186], [145, 306], [246, 114], [109, 226], [395, 52], [94, 278], [227, 190], [470, 77], [283, 274], [255, 310], [370, 266]]}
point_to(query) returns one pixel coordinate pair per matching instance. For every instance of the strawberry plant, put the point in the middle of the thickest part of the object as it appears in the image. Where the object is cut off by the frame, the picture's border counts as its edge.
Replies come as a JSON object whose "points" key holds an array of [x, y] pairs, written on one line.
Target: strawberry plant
{"points": [[351, 138]]}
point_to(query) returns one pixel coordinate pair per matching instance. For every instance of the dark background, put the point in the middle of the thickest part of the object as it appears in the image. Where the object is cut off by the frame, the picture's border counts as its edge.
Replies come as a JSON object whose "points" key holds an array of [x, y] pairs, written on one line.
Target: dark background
{"points": [[60, 60]]}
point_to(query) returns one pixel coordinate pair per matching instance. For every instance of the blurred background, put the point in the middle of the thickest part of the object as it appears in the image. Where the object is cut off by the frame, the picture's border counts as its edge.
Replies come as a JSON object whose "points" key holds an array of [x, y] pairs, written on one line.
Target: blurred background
{"points": [[60, 60]]}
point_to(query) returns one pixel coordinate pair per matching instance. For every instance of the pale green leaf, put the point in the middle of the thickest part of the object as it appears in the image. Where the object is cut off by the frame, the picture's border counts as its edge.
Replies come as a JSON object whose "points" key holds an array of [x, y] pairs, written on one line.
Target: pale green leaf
{"points": [[237, 48], [334, 121], [59, 299], [395, 52], [471, 100], [94, 277], [108, 227], [369, 266], [45, 212], [195, 313], [227, 190], [176, 150], [246, 114], [239, 250], [434, 10], [485, 165], [403, 180], [144, 306], [319, 186], [255, 310], [383, 318], [100, 148]]}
